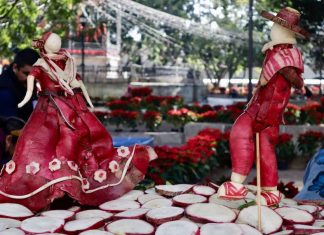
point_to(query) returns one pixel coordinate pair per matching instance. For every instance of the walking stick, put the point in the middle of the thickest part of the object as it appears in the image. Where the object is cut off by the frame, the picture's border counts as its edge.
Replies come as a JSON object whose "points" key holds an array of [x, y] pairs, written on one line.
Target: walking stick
{"points": [[258, 179]]}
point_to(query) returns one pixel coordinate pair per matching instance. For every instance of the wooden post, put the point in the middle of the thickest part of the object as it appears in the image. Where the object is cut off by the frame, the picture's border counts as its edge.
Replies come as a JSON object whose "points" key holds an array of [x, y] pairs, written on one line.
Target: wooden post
{"points": [[258, 179]]}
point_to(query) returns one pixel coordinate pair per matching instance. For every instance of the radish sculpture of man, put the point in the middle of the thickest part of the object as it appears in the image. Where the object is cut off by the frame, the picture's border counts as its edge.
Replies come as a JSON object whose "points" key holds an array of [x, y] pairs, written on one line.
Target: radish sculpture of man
{"points": [[282, 69]]}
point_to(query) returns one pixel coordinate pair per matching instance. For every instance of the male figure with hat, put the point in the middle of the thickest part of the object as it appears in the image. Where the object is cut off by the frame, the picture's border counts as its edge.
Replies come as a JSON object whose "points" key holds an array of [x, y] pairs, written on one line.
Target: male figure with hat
{"points": [[282, 69]]}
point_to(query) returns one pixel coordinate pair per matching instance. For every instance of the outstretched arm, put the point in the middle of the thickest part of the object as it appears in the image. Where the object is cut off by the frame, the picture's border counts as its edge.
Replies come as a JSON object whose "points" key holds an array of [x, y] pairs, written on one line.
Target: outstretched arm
{"points": [[30, 89], [291, 75]]}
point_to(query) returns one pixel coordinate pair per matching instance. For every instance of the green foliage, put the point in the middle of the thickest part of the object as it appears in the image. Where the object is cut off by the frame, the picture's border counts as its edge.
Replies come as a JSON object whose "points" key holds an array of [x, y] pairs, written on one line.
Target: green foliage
{"points": [[18, 22]]}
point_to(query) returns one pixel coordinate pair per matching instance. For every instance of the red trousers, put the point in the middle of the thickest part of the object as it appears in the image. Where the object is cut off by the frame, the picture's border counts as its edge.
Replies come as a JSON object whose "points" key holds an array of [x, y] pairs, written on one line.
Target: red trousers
{"points": [[242, 148]]}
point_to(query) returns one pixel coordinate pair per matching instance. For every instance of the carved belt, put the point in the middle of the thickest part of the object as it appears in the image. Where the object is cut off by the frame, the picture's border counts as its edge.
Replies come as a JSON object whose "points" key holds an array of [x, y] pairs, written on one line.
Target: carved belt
{"points": [[59, 95]]}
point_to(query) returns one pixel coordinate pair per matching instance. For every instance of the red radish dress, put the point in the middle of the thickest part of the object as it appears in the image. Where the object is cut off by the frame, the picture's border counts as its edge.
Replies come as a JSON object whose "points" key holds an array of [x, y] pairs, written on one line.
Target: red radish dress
{"points": [[65, 149]]}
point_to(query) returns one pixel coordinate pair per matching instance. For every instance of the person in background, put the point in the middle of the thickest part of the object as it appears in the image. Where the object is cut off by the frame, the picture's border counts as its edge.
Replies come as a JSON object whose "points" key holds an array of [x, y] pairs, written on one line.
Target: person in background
{"points": [[13, 85], [9, 133]]}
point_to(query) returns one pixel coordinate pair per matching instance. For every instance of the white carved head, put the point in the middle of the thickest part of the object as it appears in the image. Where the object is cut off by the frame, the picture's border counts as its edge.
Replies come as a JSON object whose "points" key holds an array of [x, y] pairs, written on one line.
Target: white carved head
{"points": [[53, 44], [279, 33]]}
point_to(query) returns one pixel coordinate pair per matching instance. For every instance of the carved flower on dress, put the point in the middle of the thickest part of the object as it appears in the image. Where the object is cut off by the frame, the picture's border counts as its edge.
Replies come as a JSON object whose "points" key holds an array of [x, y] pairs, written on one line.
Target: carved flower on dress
{"points": [[10, 167], [100, 175], [85, 184], [73, 166], [123, 151], [32, 168], [113, 166], [54, 165]]}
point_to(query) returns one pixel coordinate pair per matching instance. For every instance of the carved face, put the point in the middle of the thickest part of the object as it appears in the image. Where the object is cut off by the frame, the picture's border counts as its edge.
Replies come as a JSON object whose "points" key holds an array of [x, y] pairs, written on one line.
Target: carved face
{"points": [[53, 43], [279, 33]]}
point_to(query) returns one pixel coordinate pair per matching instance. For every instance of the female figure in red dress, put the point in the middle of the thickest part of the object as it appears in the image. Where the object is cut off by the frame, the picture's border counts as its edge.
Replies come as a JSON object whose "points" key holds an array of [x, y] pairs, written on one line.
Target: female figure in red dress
{"points": [[63, 148]]}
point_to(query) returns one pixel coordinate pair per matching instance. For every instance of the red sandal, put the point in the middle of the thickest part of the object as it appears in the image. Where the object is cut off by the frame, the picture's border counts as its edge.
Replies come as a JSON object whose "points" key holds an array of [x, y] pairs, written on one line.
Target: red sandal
{"points": [[232, 191], [270, 198]]}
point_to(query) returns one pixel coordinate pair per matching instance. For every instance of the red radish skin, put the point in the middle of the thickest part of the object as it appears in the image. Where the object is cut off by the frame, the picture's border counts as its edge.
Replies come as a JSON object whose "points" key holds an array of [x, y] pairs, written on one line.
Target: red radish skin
{"points": [[203, 190], [164, 214], [61, 214], [248, 230], [14, 211], [148, 197], [13, 231], [178, 227], [42, 225], [157, 203], [6, 223], [221, 229], [300, 229], [132, 214], [187, 199], [271, 221], [284, 232], [173, 190], [94, 213], [209, 212], [130, 227], [80, 225], [119, 205], [295, 216], [131, 195]]}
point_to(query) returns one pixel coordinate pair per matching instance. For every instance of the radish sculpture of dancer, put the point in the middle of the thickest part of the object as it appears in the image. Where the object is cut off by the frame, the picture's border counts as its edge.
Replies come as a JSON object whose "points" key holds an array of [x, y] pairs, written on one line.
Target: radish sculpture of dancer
{"points": [[63, 148], [282, 69]]}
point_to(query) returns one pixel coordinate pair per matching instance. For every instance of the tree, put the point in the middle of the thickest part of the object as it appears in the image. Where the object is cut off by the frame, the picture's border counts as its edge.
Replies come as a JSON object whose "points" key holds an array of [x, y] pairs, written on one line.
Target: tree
{"points": [[19, 21]]}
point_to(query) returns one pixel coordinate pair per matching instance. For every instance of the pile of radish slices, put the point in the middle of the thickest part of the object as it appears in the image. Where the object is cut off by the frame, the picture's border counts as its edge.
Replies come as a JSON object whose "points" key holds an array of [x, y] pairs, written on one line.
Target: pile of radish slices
{"points": [[166, 210]]}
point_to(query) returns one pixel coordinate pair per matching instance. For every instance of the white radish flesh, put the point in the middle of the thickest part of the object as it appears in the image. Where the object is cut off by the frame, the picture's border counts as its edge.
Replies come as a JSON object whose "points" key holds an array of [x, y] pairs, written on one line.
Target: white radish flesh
{"points": [[221, 229], [188, 199], [130, 227], [157, 203], [42, 225], [119, 205], [164, 214], [178, 227], [14, 211]]}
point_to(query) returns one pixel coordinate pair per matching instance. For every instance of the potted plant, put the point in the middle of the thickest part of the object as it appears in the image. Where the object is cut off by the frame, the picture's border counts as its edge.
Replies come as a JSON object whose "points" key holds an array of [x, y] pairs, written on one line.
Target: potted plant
{"points": [[152, 120], [285, 151]]}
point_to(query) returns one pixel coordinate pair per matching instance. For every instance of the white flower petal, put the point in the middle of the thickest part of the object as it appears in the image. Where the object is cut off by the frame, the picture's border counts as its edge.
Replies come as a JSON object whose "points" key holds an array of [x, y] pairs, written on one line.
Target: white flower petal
{"points": [[85, 184], [113, 166], [54, 165], [73, 166], [123, 151], [32, 168], [100, 175], [10, 167]]}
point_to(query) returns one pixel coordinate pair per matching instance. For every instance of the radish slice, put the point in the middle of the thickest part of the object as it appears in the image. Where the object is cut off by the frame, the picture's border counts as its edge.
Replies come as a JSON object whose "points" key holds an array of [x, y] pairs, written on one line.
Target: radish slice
{"points": [[14, 211], [173, 190], [95, 232], [271, 221], [77, 226], [94, 213], [188, 199], [287, 201], [75, 209], [62, 214], [306, 229], [251, 188], [177, 228], [188, 220], [132, 195], [151, 191], [132, 214], [130, 227], [295, 216], [248, 230], [148, 197], [42, 225], [221, 229], [157, 203], [309, 208], [284, 232], [161, 215], [319, 223], [250, 195], [119, 205], [12, 231], [203, 190], [322, 214], [234, 204], [209, 212], [6, 223]]}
